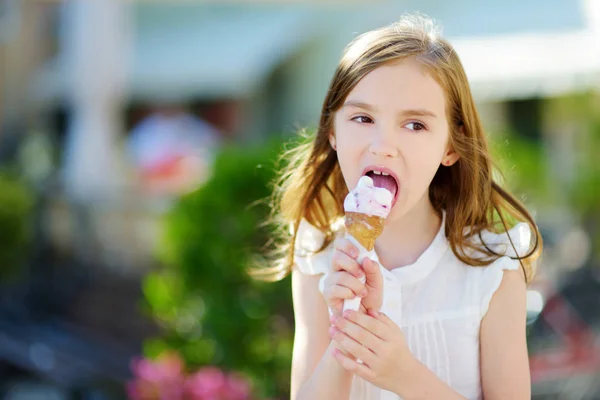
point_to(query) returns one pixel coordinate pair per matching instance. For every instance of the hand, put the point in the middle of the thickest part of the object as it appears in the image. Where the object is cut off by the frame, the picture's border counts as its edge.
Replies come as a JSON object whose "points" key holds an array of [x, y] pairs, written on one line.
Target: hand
{"points": [[345, 280], [376, 340]]}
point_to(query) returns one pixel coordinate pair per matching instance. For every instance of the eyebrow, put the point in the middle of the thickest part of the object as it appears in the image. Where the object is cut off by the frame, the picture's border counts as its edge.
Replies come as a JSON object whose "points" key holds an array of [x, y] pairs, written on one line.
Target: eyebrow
{"points": [[368, 107]]}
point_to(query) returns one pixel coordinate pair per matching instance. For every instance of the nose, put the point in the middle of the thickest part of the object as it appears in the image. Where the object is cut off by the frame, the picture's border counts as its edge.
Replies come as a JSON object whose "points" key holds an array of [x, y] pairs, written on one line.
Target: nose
{"points": [[382, 144]]}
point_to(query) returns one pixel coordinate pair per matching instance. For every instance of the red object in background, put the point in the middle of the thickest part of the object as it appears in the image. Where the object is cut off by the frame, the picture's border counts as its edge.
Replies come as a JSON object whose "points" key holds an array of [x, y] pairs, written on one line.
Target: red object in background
{"points": [[167, 169], [175, 175], [579, 350]]}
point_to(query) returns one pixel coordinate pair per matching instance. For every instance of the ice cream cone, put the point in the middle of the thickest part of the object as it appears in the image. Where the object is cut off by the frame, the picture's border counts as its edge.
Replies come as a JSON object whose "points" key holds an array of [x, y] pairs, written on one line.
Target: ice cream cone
{"points": [[366, 207], [364, 228]]}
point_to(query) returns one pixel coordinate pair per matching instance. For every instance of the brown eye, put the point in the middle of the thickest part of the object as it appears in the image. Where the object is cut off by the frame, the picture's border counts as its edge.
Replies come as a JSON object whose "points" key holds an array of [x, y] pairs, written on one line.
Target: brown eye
{"points": [[416, 126], [362, 119]]}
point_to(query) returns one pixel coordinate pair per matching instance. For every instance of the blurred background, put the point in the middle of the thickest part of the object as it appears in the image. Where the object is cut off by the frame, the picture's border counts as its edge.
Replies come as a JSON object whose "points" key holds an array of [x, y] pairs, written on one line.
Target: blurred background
{"points": [[137, 140]]}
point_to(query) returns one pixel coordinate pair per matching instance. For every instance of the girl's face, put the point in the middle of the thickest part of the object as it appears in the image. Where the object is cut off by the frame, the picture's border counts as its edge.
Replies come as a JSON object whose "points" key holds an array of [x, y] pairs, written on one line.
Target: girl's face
{"points": [[394, 121]]}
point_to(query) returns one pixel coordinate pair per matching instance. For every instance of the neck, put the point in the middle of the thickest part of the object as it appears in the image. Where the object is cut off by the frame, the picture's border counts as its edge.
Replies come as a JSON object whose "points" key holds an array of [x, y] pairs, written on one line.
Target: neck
{"points": [[406, 237]]}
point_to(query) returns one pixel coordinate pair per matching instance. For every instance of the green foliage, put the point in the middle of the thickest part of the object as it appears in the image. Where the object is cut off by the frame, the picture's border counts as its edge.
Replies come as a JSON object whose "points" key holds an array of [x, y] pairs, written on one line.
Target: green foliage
{"points": [[527, 165], [522, 163], [586, 190], [16, 205], [212, 311]]}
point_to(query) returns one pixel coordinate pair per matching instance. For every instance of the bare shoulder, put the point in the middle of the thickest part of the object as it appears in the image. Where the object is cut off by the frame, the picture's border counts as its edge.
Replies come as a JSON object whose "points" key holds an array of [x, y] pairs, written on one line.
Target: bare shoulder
{"points": [[508, 301]]}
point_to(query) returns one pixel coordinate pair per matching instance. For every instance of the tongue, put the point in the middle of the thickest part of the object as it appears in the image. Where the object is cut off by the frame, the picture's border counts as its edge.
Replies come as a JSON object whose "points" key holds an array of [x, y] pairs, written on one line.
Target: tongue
{"points": [[384, 181]]}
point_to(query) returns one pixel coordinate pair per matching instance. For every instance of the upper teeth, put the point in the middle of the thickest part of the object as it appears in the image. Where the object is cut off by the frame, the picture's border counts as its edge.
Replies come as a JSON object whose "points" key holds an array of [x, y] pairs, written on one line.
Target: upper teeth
{"points": [[380, 173]]}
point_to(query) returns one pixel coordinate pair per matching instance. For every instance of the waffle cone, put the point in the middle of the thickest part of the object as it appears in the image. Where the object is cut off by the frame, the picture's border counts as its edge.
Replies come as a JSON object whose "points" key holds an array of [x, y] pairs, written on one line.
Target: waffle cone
{"points": [[364, 228]]}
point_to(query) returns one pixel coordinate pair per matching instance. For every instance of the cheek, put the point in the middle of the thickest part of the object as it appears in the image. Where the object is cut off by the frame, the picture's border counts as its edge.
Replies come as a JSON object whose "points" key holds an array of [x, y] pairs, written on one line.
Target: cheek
{"points": [[348, 158], [350, 146], [423, 164]]}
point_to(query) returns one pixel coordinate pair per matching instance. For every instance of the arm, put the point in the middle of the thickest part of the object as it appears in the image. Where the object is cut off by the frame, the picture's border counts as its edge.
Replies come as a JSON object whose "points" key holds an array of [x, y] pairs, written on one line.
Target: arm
{"points": [[504, 360], [426, 385], [315, 373]]}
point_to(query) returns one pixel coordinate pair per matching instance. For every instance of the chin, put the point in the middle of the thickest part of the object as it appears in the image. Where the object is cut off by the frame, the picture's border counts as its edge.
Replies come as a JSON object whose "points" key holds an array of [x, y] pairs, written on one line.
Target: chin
{"points": [[398, 211]]}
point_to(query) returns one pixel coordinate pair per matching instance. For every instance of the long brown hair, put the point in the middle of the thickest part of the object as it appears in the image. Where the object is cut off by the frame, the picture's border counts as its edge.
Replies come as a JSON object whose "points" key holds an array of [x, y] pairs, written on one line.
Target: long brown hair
{"points": [[311, 185]]}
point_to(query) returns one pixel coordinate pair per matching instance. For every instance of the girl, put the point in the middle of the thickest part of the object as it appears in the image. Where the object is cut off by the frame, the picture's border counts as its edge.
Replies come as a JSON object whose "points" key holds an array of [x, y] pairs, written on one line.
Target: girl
{"points": [[443, 312]]}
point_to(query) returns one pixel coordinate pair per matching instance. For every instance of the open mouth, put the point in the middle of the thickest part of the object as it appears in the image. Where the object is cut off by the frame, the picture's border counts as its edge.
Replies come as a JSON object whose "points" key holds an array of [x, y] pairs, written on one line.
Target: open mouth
{"points": [[384, 178]]}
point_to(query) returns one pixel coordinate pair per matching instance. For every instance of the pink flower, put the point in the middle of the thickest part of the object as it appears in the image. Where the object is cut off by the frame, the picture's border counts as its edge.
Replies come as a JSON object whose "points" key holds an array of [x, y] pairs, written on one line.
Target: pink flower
{"points": [[210, 383], [165, 379], [238, 388], [157, 380], [206, 384]]}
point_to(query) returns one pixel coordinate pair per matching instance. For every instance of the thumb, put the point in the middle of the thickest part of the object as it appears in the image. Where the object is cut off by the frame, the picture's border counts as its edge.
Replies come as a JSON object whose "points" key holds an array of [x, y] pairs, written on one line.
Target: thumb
{"points": [[374, 279]]}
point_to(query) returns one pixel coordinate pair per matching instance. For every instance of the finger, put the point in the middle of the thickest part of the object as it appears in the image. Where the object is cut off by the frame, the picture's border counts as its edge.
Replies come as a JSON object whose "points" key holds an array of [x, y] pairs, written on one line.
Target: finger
{"points": [[346, 246], [374, 278], [352, 347], [362, 309], [342, 262], [351, 365], [331, 333], [339, 292], [343, 278], [375, 326], [360, 334], [384, 319]]}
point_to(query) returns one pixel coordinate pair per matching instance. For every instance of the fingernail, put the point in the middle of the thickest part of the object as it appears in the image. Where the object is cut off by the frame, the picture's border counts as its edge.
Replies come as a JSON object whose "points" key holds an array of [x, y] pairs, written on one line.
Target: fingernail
{"points": [[374, 313], [360, 275], [347, 313], [332, 319], [364, 293], [331, 331]]}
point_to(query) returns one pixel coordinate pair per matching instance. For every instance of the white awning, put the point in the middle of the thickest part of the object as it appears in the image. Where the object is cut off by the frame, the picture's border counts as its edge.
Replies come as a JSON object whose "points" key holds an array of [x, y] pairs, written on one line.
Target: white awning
{"points": [[518, 49], [192, 50], [530, 65]]}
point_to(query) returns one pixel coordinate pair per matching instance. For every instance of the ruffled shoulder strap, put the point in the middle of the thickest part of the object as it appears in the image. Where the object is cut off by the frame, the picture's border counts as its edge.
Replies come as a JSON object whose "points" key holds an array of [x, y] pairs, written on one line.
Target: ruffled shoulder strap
{"points": [[307, 258], [491, 276], [500, 243]]}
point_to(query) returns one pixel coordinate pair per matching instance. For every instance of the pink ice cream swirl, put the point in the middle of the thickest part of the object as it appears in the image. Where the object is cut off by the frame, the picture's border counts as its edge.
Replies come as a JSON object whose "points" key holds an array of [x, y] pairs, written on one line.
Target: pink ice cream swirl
{"points": [[368, 199]]}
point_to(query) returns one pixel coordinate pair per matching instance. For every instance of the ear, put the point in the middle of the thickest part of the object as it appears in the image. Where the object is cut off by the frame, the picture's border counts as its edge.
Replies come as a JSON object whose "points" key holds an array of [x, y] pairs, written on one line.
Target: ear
{"points": [[450, 157], [332, 141]]}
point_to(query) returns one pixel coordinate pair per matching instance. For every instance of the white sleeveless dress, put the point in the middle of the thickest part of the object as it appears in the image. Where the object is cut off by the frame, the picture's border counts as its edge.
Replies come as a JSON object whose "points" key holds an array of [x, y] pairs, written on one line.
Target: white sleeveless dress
{"points": [[438, 302]]}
